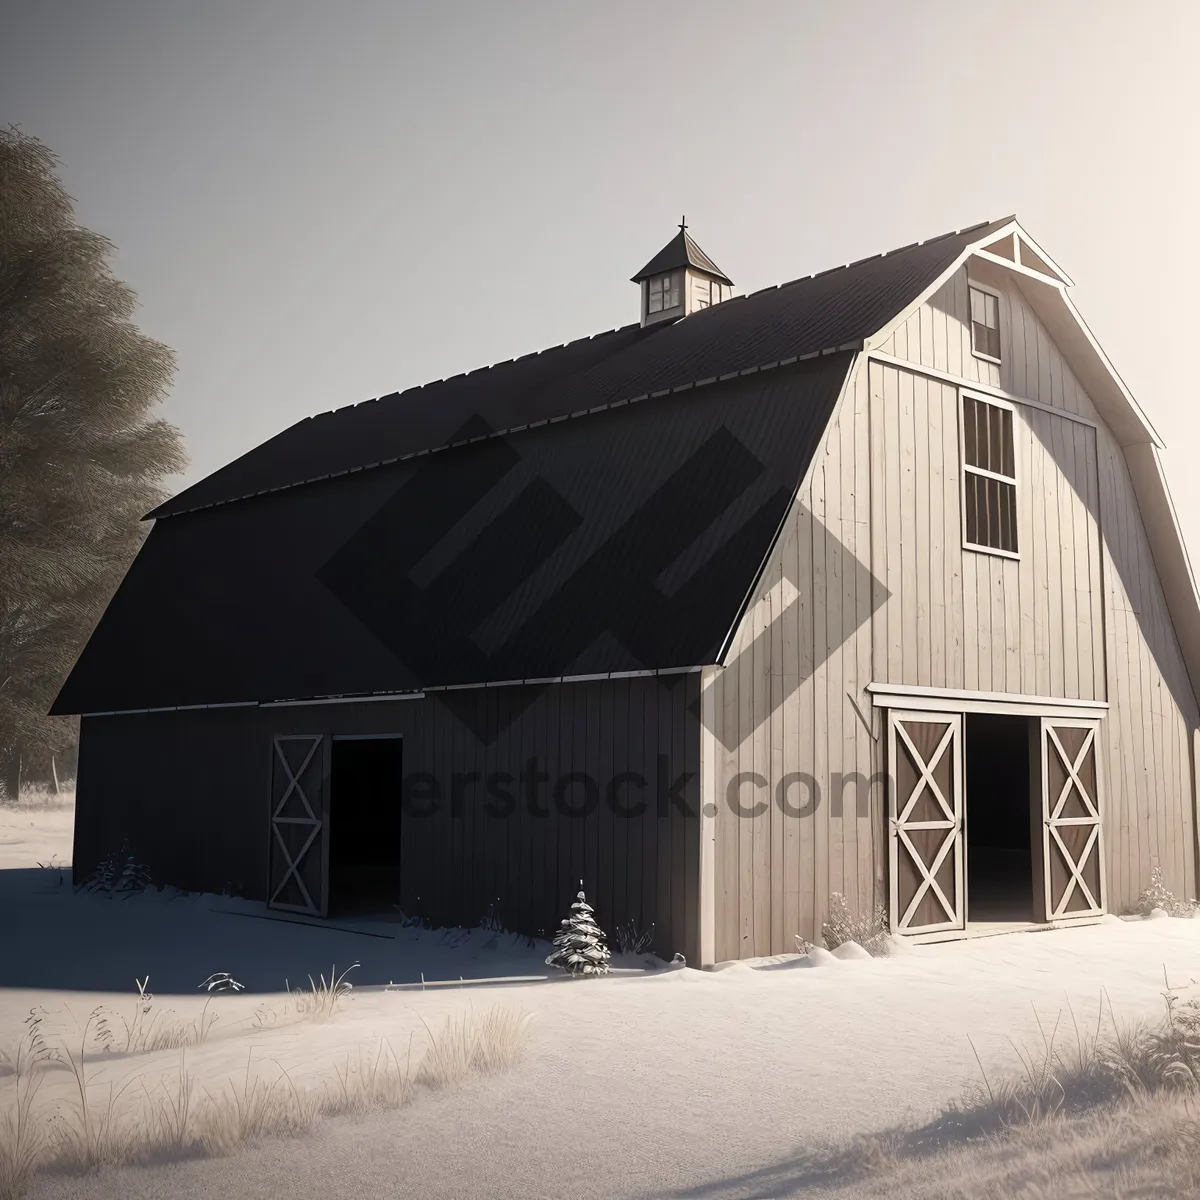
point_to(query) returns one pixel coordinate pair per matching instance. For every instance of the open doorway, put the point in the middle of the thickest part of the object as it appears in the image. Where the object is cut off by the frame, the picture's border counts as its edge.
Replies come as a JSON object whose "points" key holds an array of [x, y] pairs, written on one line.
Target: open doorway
{"points": [[998, 818], [364, 825]]}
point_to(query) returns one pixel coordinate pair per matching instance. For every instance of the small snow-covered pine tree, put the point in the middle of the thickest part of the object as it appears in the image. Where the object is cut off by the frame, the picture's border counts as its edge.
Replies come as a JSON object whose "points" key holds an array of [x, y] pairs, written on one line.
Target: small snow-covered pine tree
{"points": [[580, 946]]}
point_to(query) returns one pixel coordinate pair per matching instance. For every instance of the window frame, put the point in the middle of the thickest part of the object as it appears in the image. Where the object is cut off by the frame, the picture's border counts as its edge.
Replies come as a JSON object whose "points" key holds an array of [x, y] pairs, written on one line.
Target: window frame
{"points": [[987, 290], [965, 469], [669, 285]]}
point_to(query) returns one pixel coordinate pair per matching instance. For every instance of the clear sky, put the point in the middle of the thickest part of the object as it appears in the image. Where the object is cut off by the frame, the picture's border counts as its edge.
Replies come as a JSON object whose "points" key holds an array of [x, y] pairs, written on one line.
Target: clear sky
{"points": [[319, 203]]}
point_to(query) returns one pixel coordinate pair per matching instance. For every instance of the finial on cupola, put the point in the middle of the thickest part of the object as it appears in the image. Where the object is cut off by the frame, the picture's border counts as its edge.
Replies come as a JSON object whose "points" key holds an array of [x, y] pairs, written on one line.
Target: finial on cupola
{"points": [[680, 279]]}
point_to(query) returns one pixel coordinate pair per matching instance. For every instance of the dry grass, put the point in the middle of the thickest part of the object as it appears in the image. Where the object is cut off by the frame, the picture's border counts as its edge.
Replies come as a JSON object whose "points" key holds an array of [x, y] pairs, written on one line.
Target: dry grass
{"points": [[42, 798], [870, 931], [22, 1136], [144, 1030], [1106, 1109], [322, 998], [469, 1044], [108, 1126], [1158, 897], [1132, 1148]]}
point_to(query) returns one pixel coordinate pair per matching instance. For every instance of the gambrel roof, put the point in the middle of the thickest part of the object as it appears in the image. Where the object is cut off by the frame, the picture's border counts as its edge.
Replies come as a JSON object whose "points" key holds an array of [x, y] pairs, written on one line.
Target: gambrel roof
{"points": [[621, 543], [774, 326], [601, 507]]}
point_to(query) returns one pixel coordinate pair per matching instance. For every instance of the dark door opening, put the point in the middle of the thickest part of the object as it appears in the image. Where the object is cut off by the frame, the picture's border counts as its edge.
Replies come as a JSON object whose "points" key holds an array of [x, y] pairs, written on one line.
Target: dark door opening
{"points": [[998, 818], [364, 825]]}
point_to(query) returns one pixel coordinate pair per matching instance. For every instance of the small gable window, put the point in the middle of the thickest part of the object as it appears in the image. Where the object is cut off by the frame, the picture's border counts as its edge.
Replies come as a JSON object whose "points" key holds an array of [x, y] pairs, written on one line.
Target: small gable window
{"points": [[663, 293], [702, 293], [989, 477], [985, 323]]}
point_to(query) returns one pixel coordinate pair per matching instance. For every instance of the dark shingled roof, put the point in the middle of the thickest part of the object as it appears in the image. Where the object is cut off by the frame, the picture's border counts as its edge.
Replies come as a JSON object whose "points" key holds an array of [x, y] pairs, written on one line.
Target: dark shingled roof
{"points": [[624, 542], [605, 506], [681, 251], [836, 308]]}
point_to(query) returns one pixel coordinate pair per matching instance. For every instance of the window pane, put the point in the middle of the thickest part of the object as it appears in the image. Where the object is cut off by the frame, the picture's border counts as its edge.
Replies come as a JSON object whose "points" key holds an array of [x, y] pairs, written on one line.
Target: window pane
{"points": [[1008, 466], [971, 483], [970, 435], [1008, 495], [655, 304], [989, 505], [995, 440], [985, 323]]}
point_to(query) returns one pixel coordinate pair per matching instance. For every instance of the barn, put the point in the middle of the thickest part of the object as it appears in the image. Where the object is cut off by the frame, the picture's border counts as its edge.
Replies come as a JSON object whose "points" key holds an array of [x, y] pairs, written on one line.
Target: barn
{"points": [[867, 584]]}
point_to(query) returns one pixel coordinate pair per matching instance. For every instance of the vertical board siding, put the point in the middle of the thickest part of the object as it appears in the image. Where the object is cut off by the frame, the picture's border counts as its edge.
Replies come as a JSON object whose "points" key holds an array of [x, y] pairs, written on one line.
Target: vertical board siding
{"points": [[869, 582], [959, 618], [475, 849], [779, 856], [1030, 364], [1147, 737]]}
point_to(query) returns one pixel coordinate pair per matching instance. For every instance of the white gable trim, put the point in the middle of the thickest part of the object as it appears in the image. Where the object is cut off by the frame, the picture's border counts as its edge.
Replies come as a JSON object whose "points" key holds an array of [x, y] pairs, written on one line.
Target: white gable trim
{"points": [[1018, 268], [1024, 239], [1054, 308], [877, 339]]}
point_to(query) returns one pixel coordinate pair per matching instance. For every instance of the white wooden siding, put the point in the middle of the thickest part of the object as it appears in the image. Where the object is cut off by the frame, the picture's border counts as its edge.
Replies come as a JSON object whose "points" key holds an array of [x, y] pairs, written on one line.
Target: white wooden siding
{"points": [[1080, 615], [967, 619], [938, 335]]}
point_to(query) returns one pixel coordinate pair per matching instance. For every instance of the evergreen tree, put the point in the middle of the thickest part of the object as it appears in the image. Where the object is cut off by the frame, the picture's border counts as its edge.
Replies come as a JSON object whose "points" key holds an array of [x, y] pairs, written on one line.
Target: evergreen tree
{"points": [[80, 454], [580, 946]]}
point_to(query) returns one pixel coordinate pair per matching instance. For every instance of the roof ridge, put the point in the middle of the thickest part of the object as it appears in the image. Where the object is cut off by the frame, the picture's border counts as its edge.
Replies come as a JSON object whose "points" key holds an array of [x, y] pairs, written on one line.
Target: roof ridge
{"points": [[509, 431], [417, 387], [504, 362], [633, 349], [858, 262]]}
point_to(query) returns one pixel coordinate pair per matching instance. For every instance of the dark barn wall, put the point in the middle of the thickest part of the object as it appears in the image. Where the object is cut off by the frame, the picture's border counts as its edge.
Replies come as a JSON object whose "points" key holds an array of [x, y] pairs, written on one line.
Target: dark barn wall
{"points": [[513, 795]]}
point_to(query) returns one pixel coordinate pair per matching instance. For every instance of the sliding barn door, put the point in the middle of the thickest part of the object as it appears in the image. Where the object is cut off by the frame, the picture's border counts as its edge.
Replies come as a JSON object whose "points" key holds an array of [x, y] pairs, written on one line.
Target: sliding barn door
{"points": [[1072, 851], [925, 809], [298, 878]]}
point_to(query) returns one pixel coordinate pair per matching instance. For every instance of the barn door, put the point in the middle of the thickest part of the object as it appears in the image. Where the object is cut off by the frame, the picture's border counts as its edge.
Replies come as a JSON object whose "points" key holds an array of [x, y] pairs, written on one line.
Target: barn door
{"points": [[925, 807], [1072, 866], [299, 856]]}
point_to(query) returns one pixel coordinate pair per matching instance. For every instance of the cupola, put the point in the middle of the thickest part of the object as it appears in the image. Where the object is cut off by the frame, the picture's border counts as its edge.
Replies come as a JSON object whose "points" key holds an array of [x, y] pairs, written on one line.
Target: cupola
{"points": [[680, 279]]}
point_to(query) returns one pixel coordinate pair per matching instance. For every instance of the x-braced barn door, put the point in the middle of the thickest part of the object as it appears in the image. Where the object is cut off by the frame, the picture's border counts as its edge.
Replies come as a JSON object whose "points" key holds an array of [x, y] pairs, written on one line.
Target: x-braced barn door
{"points": [[1072, 859], [925, 807], [299, 856]]}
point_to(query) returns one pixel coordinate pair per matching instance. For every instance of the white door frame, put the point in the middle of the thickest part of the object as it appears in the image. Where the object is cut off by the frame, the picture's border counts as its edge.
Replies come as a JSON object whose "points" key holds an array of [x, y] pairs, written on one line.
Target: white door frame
{"points": [[1051, 822], [899, 821]]}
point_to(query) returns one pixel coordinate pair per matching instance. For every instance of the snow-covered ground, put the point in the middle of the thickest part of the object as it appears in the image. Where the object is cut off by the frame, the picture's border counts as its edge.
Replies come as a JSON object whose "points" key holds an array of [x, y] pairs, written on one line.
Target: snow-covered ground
{"points": [[646, 1083]]}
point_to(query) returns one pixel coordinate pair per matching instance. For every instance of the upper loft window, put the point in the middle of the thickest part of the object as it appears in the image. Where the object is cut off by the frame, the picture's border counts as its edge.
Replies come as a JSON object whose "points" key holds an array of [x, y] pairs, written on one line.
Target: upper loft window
{"points": [[985, 323], [702, 293], [663, 293], [989, 477]]}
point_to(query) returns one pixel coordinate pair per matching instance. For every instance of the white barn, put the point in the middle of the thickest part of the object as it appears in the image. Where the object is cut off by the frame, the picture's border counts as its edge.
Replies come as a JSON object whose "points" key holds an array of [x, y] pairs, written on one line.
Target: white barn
{"points": [[1019, 657]]}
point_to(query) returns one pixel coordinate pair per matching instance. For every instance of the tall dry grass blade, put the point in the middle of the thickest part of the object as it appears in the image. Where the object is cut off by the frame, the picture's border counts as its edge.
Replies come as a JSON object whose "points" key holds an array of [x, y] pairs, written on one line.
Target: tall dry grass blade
{"points": [[22, 1139]]}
